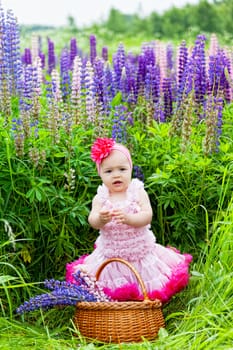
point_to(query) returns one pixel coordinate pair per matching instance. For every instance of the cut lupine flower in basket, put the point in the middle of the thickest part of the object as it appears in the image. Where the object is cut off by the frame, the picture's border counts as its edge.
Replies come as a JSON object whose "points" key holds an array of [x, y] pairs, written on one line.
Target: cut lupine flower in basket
{"points": [[65, 293]]}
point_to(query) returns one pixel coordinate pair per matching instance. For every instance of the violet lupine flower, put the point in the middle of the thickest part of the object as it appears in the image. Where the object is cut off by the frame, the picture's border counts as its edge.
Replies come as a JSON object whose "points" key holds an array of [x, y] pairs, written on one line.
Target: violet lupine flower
{"points": [[149, 55], [105, 53], [198, 60], [170, 54], [9, 63], [194, 77], [167, 97], [138, 173], [42, 57], [12, 45], [108, 89], [181, 66], [63, 294], [85, 288], [98, 89], [51, 56], [152, 84], [27, 56], [141, 75], [64, 71], [128, 83], [98, 67], [118, 64], [26, 101], [93, 51], [73, 51], [159, 114], [217, 77], [119, 132]]}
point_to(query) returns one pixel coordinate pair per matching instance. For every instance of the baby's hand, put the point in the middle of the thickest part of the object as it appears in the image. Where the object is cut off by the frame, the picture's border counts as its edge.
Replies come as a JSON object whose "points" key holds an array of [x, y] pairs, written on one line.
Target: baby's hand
{"points": [[119, 216], [105, 216]]}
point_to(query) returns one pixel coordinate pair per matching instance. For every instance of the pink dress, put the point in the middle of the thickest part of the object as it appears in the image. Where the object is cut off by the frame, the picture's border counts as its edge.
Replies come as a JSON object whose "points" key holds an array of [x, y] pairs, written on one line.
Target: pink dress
{"points": [[163, 270]]}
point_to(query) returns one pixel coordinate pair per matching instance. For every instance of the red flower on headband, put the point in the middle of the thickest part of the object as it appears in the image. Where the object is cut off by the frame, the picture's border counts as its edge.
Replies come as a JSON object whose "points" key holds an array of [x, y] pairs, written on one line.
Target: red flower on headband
{"points": [[101, 148]]}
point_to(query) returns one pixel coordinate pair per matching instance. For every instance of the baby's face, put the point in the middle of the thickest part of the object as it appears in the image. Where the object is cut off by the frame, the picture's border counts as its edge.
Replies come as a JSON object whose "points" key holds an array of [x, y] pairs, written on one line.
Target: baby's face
{"points": [[115, 172]]}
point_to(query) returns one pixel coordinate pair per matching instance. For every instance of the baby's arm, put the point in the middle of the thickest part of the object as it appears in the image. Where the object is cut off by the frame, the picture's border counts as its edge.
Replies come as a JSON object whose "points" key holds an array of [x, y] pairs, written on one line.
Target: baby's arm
{"points": [[98, 217], [140, 219]]}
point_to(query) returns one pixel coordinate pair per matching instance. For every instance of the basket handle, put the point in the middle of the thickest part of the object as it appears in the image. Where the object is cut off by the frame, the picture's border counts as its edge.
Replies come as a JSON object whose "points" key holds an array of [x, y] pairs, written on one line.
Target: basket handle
{"points": [[140, 281]]}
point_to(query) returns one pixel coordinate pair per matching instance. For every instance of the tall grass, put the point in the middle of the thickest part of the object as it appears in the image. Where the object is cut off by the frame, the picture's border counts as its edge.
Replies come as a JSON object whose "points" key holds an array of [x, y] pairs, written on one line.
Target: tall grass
{"points": [[199, 318]]}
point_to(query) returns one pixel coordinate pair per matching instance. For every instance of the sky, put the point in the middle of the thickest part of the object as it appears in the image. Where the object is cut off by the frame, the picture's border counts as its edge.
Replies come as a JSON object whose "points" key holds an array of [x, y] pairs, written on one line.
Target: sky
{"points": [[84, 12]]}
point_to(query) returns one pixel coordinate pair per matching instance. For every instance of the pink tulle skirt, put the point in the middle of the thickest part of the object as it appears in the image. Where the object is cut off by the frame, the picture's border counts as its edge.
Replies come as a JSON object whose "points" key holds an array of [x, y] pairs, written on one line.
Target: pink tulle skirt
{"points": [[164, 271]]}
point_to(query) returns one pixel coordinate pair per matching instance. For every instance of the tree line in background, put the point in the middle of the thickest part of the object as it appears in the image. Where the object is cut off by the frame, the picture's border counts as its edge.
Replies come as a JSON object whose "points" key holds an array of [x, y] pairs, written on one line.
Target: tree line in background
{"points": [[207, 17]]}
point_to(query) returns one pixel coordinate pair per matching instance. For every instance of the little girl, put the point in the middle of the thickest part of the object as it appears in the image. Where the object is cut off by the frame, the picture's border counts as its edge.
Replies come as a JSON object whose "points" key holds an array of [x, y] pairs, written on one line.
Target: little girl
{"points": [[122, 213]]}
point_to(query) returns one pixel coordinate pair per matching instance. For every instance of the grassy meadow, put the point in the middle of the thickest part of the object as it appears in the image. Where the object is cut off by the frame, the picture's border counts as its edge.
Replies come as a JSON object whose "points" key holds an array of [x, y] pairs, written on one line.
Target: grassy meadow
{"points": [[172, 106]]}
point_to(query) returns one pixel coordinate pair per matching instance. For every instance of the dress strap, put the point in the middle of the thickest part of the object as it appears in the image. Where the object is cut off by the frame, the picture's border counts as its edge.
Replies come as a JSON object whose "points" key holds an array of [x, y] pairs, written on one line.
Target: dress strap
{"points": [[134, 187], [103, 193]]}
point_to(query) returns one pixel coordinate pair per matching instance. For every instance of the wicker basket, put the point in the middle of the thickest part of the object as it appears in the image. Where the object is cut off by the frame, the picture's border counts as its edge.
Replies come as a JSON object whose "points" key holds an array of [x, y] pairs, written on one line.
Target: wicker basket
{"points": [[123, 321]]}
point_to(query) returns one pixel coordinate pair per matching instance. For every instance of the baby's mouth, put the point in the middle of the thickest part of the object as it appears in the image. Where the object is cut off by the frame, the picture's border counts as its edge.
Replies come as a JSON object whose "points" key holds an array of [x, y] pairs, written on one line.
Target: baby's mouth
{"points": [[117, 182]]}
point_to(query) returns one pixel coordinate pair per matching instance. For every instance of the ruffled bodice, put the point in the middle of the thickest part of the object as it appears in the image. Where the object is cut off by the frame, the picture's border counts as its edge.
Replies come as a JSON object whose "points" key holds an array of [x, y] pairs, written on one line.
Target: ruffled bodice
{"points": [[120, 240]]}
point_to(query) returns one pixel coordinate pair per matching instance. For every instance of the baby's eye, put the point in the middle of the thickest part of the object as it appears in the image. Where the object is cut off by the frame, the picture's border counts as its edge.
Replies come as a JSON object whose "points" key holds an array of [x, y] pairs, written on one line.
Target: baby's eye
{"points": [[122, 169], [108, 171]]}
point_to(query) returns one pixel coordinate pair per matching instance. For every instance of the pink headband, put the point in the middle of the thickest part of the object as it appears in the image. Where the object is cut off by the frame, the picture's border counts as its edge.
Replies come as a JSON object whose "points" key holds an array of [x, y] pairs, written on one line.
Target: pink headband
{"points": [[102, 147]]}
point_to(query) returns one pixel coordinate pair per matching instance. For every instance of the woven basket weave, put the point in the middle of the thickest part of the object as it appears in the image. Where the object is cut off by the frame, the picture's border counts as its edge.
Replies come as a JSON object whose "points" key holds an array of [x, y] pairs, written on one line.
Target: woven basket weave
{"points": [[123, 321]]}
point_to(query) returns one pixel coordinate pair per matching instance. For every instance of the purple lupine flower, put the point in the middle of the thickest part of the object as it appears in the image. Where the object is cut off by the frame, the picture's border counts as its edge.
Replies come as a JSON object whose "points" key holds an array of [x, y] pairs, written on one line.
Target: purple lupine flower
{"points": [[108, 89], [68, 294], [138, 173], [167, 97], [118, 64], [170, 61], [149, 55], [62, 293], [65, 76], [13, 51], [159, 114], [152, 84], [141, 75], [93, 51], [218, 81], [73, 51], [193, 79], [51, 56], [42, 57], [10, 61], [26, 89], [181, 66], [119, 132], [27, 56], [198, 60], [98, 67], [105, 53]]}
